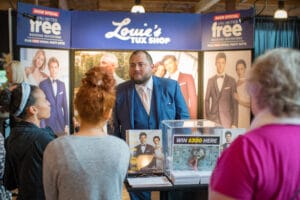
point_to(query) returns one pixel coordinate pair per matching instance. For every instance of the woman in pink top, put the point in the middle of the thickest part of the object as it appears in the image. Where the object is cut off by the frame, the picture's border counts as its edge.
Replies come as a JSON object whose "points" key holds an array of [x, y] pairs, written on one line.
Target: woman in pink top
{"points": [[264, 163]]}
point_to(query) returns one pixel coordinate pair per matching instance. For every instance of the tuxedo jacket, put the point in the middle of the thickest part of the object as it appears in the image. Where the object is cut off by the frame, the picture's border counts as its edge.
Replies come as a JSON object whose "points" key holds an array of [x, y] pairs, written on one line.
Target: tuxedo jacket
{"points": [[59, 116], [188, 89], [220, 106], [225, 145], [170, 104], [149, 150]]}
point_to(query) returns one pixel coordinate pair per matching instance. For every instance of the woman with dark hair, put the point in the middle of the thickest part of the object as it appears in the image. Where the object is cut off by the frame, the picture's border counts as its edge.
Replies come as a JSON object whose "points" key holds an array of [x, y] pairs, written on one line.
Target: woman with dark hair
{"points": [[27, 141], [89, 164]]}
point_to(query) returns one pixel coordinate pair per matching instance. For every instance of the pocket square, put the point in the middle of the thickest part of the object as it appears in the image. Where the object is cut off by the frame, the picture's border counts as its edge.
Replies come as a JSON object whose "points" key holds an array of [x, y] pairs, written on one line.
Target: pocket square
{"points": [[226, 88], [60, 93]]}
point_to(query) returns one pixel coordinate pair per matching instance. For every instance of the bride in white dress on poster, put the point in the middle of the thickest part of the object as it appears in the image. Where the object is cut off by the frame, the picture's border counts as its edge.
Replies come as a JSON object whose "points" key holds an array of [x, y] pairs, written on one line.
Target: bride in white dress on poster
{"points": [[35, 73], [158, 153], [242, 95]]}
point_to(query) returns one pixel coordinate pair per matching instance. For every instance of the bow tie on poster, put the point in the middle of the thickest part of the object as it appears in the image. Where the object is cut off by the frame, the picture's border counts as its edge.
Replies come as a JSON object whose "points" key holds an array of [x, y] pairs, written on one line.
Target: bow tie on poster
{"points": [[220, 76], [54, 81]]}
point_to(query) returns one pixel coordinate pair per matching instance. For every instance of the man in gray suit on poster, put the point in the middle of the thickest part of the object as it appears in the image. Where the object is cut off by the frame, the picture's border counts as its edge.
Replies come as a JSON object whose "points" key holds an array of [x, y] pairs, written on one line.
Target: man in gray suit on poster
{"points": [[220, 105]]}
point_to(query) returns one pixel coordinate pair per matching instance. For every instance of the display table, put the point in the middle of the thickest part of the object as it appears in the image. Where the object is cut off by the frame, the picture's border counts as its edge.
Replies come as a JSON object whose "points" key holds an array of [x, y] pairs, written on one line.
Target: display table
{"points": [[175, 192]]}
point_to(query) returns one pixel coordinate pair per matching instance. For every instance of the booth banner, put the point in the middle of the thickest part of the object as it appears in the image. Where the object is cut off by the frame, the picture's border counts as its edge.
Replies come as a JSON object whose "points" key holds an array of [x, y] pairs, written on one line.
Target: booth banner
{"points": [[43, 26], [230, 30], [122, 30]]}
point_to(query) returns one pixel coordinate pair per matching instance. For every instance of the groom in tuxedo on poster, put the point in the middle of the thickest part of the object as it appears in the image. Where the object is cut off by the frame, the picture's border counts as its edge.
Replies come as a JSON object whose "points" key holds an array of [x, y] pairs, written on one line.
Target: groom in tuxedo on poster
{"points": [[55, 92], [144, 149], [220, 104]]}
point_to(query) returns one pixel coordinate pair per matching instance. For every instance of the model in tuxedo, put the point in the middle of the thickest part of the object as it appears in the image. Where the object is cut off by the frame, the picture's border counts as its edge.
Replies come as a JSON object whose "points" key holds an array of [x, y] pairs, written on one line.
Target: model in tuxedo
{"points": [[185, 81], [220, 104], [228, 140], [143, 147], [166, 102], [55, 92]]}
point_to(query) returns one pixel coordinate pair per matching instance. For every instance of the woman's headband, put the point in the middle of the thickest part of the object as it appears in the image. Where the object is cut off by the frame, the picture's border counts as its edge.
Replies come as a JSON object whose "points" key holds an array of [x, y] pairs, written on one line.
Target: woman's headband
{"points": [[25, 95]]}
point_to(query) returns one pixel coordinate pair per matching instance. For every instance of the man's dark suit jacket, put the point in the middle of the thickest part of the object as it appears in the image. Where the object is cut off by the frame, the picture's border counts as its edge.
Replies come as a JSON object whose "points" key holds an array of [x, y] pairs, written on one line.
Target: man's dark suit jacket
{"points": [[220, 106], [149, 149], [169, 100], [59, 117]]}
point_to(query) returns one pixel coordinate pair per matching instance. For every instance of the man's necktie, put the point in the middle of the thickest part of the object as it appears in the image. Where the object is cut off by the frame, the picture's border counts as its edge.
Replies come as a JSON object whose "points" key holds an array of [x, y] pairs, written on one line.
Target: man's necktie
{"points": [[145, 99]]}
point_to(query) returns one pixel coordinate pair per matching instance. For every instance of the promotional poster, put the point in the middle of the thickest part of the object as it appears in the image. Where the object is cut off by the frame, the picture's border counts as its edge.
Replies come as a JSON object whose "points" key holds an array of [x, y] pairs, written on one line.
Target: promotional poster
{"points": [[228, 30], [49, 70], [177, 65], [226, 100], [43, 27]]}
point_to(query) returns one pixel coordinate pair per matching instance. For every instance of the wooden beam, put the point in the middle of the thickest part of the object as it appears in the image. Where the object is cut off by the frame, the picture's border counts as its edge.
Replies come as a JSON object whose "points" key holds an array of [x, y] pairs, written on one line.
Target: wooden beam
{"points": [[204, 5], [53, 3], [63, 4], [230, 5]]}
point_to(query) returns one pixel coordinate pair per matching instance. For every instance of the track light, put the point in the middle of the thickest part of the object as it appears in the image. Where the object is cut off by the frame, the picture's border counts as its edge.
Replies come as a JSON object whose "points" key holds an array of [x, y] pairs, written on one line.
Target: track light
{"points": [[138, 8], [280, 13]]}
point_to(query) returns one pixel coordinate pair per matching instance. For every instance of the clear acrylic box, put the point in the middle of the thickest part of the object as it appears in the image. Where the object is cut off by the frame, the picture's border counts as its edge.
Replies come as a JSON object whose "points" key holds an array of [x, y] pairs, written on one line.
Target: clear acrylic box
{"points": [[191, 149]]}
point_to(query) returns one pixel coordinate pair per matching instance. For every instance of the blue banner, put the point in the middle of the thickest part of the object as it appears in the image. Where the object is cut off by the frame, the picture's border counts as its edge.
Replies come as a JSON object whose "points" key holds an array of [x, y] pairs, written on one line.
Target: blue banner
{"points": [[230, 30], [43, 27], [54, 28], [122, 30]]}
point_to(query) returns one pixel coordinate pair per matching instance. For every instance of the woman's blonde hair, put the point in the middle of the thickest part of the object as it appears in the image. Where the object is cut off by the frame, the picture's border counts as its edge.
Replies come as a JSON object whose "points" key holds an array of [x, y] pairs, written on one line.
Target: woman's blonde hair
{"points": [[40, 51], [18, 72], [274, 80]]}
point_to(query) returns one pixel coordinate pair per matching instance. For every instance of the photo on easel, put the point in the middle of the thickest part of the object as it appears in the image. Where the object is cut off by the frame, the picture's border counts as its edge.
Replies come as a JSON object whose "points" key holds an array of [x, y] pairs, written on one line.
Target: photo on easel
{"points": [[146, 151]]}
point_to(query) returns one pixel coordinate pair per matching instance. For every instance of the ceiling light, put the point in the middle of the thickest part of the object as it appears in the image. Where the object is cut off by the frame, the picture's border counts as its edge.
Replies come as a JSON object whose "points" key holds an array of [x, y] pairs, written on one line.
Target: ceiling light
{"points": [[138, 8], [280, 13]]}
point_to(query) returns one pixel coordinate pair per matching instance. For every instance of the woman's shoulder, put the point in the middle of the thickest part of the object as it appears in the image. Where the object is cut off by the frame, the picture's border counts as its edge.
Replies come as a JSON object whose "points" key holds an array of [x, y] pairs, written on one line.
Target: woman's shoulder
{"points": [[44, 75], [117, 140], [58, 143]]}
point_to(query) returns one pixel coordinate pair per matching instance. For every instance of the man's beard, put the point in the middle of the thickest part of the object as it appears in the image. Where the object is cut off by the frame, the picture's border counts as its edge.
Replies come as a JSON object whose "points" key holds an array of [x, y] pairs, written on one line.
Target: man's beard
{"points": [[142, 81]]}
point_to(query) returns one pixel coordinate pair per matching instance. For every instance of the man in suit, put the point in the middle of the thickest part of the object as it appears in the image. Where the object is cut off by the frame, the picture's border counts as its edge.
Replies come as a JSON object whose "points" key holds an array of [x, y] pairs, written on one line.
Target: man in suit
{"points": [[55, 92], [228, 137], [186, 83], [220, 104], [165, 102], [144, 149]]}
